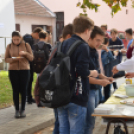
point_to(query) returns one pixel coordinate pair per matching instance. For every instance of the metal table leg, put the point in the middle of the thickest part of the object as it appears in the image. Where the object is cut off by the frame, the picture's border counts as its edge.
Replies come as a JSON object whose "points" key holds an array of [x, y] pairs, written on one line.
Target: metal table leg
{"points": [[116, 121]]}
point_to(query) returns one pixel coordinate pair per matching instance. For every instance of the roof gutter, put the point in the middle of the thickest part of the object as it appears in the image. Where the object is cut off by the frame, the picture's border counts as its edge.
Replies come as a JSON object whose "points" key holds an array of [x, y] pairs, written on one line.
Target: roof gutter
{"points": [[37, 15], [48, 10]]}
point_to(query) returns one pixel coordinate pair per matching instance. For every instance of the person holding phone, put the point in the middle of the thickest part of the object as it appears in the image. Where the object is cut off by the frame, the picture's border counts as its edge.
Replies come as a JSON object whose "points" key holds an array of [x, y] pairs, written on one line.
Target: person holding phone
{"points": [[18, 54], [116, 46]]}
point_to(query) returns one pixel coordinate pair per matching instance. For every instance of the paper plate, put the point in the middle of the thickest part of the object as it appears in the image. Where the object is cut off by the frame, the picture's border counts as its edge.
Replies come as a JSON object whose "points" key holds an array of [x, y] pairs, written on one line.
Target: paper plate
{"points": [[128, 102], [17, 57]]}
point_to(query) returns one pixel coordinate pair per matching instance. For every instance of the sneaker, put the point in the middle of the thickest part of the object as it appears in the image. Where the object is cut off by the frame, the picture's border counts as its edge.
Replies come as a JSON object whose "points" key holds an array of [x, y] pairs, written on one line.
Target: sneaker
{"points": [[17, 114], [22, 114]]}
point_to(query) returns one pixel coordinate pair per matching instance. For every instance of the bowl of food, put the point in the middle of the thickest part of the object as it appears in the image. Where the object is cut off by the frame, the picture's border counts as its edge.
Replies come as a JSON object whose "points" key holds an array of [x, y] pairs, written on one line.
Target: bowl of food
{"points": [[129, 89]]}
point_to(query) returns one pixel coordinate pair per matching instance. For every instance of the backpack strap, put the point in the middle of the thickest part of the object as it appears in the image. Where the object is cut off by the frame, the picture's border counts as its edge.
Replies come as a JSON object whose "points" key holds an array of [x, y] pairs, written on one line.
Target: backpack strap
{"points": [[73, 47], [26, 46], [59, 47]]}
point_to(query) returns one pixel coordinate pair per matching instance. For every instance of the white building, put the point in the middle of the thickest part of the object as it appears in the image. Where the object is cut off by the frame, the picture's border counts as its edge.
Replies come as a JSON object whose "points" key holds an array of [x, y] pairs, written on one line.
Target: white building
{"points": [[32, 13], [7, 25], [23, 16]]}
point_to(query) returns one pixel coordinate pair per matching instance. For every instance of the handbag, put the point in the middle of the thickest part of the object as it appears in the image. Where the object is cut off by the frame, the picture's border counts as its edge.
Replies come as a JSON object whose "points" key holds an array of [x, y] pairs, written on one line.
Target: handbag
{"points": [[109, 67]]}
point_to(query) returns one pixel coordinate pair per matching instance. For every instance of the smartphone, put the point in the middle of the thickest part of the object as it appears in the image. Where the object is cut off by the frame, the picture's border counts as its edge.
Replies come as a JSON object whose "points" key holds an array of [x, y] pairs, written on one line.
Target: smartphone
{"points": [[100, 47]]}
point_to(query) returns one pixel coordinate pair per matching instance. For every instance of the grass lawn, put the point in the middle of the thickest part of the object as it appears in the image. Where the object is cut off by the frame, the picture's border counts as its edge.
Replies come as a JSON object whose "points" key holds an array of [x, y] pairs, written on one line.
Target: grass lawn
{"points": [[6, 97]]}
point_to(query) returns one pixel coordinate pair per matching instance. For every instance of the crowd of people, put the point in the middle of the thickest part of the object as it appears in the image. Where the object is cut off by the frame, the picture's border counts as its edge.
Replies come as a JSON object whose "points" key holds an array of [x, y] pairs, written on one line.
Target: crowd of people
{"points": [[89, 62]]}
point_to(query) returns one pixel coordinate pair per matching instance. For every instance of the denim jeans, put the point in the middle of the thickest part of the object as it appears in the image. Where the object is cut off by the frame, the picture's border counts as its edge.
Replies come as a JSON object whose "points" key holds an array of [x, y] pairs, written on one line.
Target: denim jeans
{"points": [[92, 104], [56, 128], [72, 119], [101, 97]]}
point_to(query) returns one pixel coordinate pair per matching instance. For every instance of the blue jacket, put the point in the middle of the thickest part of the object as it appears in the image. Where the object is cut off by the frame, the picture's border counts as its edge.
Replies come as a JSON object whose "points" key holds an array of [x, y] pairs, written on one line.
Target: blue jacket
{"points": [[79, 68], [107, 57]]}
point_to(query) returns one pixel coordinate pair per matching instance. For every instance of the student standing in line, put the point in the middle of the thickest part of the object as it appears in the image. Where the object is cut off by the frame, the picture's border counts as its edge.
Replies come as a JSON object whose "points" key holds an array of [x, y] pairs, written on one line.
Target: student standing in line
{"points": [[31, 38], [41, 53], [73, 115], [95, 41], [104, 29], [18, 54], [66, 34], [129, 35], [116, 44], [107, 57]]}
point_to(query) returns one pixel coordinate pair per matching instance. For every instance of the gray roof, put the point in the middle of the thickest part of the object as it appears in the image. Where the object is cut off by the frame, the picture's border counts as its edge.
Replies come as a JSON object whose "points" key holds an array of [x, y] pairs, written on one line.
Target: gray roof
{"points": [[32, 7]]}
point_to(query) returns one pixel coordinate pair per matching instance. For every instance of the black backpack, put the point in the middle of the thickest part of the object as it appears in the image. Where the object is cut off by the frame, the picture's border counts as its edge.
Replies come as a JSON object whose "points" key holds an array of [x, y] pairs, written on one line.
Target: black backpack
{"points": [[41, 56], [29, 39], [54, 81]]}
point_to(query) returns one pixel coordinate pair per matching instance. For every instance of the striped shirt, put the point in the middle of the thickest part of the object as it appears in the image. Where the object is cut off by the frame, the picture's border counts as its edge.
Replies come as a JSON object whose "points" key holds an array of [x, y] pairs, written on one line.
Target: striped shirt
{"points": [[116, 45]]}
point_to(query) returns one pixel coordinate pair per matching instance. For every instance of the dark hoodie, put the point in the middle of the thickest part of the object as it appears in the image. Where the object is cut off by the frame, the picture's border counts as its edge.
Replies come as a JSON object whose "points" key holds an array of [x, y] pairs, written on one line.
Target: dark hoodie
{"points": [[47, 49]]}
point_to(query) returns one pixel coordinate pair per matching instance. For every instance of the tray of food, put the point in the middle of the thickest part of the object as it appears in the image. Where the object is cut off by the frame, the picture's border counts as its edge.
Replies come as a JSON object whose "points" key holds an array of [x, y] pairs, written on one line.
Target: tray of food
{"points": [[128, 102]]}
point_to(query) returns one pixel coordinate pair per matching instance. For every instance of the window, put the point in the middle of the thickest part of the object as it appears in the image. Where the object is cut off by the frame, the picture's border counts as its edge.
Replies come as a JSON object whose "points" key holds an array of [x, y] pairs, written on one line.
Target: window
{"points": [[59, 24], [17, 27]]}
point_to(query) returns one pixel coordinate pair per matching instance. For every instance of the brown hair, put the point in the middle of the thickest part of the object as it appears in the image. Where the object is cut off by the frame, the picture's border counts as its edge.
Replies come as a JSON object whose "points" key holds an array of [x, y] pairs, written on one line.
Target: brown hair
{"points": [[82, 23], [42, 34], [16, 33], [96, 30], [37, 30], [129, 31], [68, 29], [114, 31], [104, 25]]}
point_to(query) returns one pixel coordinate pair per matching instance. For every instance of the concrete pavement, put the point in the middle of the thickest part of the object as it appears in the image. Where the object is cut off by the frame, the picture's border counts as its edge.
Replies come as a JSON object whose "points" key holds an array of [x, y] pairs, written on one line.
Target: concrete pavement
{"points": [[37, 119]]}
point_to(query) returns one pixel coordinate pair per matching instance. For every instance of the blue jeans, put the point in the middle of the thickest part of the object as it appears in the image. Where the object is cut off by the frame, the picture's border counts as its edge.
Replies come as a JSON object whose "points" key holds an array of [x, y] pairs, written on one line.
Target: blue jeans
{"points": [[56, 128], [101, 97], [92, 104], [72, 119]]}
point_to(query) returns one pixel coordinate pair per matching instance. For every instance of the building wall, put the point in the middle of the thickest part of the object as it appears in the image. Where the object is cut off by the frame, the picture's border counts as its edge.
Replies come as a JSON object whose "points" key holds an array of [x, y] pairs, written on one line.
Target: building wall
{"points": [[7, 21], [7, 18], [26, 23], [121, 20]]}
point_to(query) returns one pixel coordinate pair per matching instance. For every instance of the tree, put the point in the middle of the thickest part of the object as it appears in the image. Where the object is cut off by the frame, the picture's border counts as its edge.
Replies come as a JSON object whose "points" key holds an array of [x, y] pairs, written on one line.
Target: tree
{"points": [[115, 5]]}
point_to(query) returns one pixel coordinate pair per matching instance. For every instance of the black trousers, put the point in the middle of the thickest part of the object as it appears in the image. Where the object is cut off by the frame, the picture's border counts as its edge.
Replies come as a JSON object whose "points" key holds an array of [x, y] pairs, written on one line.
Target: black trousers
{"points": [[107, 92], [19, 80], [29, 88]]}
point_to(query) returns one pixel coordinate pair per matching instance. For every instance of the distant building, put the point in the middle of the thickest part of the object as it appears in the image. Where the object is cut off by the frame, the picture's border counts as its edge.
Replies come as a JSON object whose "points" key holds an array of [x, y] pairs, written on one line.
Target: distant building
{"points": [[23, 16], [30, 14], [121, 21]]}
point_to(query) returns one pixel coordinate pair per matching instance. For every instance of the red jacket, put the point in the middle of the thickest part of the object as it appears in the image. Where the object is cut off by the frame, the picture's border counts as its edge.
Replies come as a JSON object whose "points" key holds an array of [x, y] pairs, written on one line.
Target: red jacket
{"points": [[107, 36], [129, 52]]}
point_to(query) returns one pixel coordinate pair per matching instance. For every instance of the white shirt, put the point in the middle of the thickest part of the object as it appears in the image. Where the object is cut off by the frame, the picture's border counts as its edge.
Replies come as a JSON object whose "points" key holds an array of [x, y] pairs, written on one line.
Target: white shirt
{"points": [[127, 66]]}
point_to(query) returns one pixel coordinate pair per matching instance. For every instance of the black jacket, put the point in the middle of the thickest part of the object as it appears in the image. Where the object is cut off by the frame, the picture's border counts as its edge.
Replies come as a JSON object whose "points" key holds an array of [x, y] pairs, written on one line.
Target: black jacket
{"points": [[94, 65], [79, 67]]}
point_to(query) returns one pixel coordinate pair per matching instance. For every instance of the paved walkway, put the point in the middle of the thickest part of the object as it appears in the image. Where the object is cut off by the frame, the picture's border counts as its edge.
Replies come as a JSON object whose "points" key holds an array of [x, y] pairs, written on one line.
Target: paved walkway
{"points": [[100, 128], [37, 119]]}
